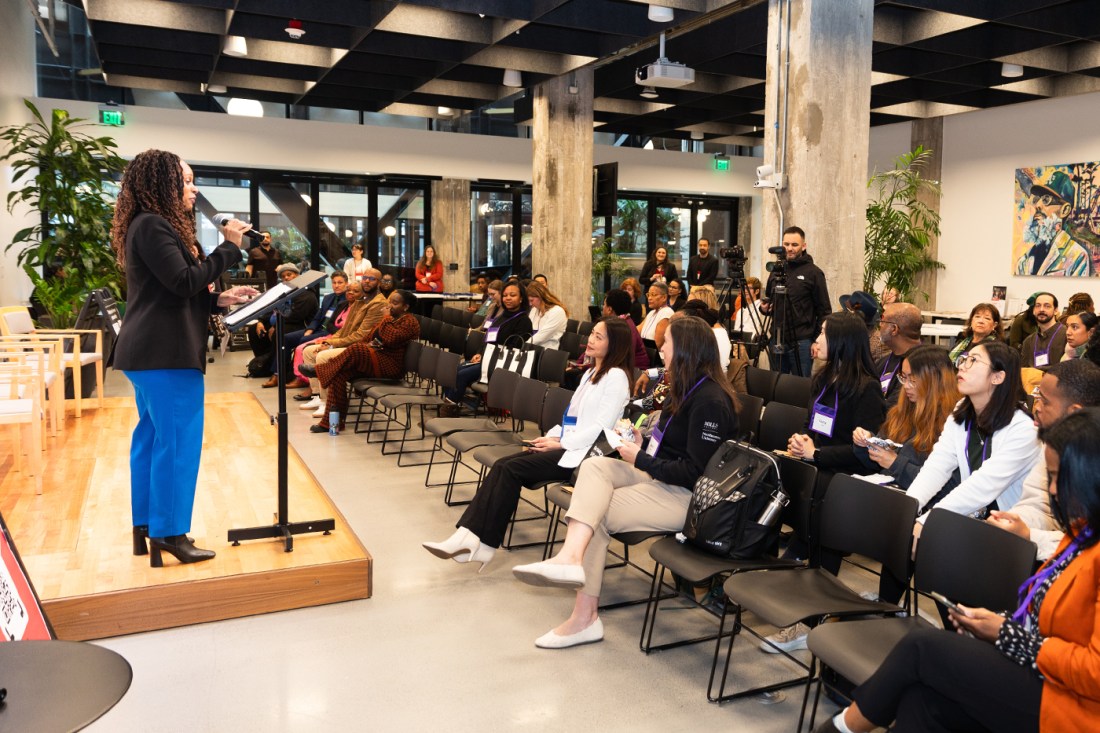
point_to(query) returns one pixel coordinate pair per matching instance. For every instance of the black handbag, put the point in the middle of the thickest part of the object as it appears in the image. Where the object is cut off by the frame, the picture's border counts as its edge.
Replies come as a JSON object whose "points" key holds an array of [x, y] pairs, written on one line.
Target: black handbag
{"points": [[736, 503]]}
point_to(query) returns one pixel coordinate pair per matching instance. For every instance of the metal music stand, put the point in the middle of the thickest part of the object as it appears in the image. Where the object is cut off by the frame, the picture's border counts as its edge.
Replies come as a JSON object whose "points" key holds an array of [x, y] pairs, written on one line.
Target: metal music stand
{"points": [[260, 307]]}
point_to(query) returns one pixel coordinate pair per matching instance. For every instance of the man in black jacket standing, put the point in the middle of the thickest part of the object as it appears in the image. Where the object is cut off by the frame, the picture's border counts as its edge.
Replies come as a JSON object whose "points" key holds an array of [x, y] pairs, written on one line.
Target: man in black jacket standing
{"points": [[796, 324], [702, 268]]}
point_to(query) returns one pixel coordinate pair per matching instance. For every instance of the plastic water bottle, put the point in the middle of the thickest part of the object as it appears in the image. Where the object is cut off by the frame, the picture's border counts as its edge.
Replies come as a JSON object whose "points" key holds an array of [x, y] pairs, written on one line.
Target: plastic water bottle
{"points": [[333, 423]]}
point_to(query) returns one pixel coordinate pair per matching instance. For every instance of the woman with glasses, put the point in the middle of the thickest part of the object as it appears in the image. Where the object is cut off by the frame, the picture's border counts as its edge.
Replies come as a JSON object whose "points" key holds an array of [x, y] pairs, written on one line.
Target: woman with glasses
{"points": [[356, 266], [928, 396], [1033, 670], [676, 297], [989, 438], [983, 325]]}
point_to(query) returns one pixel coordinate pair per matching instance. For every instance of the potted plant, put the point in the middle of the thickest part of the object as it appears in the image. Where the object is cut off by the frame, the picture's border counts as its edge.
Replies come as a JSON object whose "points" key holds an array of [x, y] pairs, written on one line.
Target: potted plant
{"points": [[900, 226], [68, 180]]}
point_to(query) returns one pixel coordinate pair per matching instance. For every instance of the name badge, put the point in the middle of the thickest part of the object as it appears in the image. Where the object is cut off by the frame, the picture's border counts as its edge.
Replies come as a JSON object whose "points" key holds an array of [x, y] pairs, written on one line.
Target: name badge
{"points": [[329, 312], [568, 425], [886, 384], [654, 442], [491, 335], [1042, 360], [823, 420]]}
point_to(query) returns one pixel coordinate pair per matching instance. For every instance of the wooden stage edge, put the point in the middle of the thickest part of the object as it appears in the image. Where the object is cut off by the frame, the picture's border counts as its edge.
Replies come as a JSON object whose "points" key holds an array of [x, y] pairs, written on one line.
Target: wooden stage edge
{"points": [[74, 538]]}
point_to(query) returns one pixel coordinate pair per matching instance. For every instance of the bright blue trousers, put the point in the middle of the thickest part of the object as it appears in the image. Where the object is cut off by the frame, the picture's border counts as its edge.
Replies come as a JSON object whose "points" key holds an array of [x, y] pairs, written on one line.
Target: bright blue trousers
{"points": [[165, 448]]}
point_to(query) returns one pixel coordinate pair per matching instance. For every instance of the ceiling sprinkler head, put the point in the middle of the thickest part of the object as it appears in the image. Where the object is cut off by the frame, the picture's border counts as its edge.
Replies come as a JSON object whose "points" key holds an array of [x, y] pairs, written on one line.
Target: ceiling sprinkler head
{"points": [[294, 29]]}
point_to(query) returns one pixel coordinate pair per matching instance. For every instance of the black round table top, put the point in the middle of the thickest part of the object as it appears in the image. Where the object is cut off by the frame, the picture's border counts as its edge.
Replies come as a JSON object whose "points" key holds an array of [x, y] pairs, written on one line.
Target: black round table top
{"points": [[59, 685]]}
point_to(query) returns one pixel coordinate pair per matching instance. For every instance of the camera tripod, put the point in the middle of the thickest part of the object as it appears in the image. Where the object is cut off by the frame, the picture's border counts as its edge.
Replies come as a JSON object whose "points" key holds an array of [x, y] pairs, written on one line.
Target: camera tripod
{"points": [[781, 340], [736, 286]]}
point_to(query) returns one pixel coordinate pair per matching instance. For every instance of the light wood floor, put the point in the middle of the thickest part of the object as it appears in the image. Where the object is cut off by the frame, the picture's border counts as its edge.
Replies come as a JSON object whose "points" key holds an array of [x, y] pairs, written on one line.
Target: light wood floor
{"points": [[75, 538]]}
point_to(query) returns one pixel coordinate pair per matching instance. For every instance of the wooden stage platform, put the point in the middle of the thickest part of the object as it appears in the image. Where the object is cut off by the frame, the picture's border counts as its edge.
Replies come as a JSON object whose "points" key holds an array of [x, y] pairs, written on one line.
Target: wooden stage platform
{"points": [[75, 539]]}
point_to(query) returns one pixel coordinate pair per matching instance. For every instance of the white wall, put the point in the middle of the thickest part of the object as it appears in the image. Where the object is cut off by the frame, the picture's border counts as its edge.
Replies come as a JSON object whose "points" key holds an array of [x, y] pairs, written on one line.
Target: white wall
{"points": [[981, 152], [17, 81]]}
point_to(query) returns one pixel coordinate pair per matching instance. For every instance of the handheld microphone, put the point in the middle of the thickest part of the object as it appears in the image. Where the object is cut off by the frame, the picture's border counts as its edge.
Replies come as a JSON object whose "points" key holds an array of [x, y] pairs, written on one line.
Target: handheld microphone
{"points": [[220, 220]]}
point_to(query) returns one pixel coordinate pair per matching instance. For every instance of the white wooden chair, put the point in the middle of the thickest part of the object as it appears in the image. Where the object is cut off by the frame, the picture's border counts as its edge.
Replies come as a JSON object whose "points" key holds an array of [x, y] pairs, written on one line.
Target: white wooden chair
{"points": [[16, 320], [20, 388], [46, 362]]}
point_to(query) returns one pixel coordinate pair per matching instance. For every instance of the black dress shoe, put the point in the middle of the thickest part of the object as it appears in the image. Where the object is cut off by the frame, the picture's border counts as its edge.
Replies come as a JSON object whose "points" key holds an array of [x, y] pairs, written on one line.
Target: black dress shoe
{"points": [[318, 429], [180, 547], [303, 397]]}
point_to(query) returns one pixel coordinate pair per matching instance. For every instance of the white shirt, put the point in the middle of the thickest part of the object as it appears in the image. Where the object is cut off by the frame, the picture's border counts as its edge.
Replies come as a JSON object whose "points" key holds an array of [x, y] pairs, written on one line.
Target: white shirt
{"points": [[743, 321], [596, 406], [724, 346], [1034, 509], [1014, 449], [648, 329], [355, 271], [548, 326]]}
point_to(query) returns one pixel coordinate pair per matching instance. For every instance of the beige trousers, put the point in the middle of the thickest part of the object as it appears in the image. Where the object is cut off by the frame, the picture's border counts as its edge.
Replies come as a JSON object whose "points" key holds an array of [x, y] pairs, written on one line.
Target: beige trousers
{"points": [[613, 496], [313, 354]]}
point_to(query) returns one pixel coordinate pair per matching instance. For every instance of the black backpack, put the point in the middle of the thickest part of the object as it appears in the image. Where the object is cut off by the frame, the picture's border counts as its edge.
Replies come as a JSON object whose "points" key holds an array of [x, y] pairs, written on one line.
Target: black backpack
{"points": [[729, 500]]}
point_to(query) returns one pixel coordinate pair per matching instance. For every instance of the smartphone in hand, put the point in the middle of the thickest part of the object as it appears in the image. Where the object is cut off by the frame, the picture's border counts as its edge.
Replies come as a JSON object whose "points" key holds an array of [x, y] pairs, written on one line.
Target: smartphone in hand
{"points": [[948, 602]]}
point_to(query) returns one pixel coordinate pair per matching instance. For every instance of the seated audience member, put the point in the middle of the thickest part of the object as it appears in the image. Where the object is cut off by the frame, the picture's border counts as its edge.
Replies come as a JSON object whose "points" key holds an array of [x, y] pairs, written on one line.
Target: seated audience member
{"points": [[698, 307], [296, 314], [386, 286], [596, 405], [1080, 327], [983, 326], [989, 438], [541, 279], [889, 295], [1079, 303], [656, 321], [548, 316], [381, 356], [899, 332], [676, 297], [1032, 671], [1063, 390], [865, 306], [480, 286], [658, 269], [650, 488], [492, 307], [637, 299], [1045, 347], [429, 272], [615, 298], [356, 328], [927, 398], [324, 322], [748, 319], [1023, 325], [510, 327], [356, 266]]}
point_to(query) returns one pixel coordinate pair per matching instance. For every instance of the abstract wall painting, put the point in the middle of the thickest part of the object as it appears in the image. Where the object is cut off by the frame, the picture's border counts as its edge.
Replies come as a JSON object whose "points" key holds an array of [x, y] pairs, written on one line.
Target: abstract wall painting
{"points": [[1056, 224]]}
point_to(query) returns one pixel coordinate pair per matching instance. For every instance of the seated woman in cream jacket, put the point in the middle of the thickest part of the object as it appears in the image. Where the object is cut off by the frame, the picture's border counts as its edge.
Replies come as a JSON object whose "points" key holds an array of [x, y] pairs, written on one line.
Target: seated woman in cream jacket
{"points": [[597, 404], [548, 316]]}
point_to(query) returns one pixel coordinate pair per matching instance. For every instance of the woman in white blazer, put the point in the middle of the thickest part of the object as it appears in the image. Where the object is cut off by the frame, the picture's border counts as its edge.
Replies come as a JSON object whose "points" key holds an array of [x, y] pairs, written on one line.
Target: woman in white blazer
{"points": [[990, 438], [548, 316], [597, 404]]}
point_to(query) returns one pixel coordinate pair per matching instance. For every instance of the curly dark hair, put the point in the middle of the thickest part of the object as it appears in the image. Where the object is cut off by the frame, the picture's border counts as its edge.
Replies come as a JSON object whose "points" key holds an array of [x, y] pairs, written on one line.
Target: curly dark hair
{"points": [[153, 182]]}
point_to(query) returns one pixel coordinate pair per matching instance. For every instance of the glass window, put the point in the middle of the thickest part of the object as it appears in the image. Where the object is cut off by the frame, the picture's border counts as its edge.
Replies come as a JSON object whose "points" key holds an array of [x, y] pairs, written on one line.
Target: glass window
{"points": [[630, 235], [401, 229], [491, 231], [673, 232]]}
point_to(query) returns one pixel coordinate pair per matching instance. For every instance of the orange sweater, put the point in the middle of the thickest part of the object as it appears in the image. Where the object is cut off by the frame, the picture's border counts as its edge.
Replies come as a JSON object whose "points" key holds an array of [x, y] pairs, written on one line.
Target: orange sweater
{"points": [[1069, 659]]}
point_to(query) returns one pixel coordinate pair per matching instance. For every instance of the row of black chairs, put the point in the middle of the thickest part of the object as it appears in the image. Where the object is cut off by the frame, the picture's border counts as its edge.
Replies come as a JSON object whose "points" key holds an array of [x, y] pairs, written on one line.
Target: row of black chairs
{"points": [[790, 389]]}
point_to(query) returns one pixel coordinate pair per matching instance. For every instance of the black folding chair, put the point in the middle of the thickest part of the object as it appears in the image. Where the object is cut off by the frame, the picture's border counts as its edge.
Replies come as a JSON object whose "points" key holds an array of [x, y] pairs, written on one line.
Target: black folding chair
{"points": [[761, 383], [792, 389], [778, 423]]}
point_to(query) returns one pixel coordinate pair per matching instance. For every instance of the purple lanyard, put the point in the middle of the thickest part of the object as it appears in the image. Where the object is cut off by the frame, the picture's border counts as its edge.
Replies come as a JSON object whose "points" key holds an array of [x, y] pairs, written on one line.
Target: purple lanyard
{"points": [[1035, 346], [658, 432], [836, 399], [1032, 584], [886, 365]]}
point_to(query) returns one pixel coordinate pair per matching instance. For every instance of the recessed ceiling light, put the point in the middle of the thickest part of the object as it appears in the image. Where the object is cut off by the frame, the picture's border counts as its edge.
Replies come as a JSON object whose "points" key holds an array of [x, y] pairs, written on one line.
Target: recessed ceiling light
{"points": [[1012, 71], [216, 88], [660, 14]]}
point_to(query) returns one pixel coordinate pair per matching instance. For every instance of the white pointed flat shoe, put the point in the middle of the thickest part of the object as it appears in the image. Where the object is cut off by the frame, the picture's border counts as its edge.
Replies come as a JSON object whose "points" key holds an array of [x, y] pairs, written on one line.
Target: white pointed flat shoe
{"points": [[589, 635], [551, 575]]}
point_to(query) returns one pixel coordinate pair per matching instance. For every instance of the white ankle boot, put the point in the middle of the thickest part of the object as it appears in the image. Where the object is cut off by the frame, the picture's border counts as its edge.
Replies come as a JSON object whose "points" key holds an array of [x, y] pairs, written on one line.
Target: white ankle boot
{"points": [[483, 555]]}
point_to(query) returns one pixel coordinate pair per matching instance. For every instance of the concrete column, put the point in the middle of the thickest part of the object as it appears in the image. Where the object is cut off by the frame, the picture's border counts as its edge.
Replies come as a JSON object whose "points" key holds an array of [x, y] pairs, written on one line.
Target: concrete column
{"points": [[562, 189], [828, 119], [929, 133], [451, 231], [17, 82]]}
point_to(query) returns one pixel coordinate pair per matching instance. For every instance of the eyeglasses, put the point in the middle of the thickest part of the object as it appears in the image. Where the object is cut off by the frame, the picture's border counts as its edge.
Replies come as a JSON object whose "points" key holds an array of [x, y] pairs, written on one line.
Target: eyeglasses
{"points": [[369, 277], [966, 361], [1044, 199], [906, 379]]}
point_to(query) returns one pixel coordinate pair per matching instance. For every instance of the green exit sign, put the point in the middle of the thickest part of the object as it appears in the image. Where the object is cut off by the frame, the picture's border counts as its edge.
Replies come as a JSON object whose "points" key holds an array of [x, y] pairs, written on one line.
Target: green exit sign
{"points": [[721, 162], [113, 117]]}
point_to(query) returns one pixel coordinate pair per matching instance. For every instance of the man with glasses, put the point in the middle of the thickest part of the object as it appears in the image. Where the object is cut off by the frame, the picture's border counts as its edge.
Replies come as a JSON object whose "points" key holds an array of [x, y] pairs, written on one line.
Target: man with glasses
{"points": [[899, 331], [1065, 389], [1053, 251], [1044, 348]]}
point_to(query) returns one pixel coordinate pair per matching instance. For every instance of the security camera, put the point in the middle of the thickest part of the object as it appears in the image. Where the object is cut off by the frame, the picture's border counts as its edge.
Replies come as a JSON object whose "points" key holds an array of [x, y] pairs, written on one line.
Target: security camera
{"points": [[764, 171], [766, 177]]}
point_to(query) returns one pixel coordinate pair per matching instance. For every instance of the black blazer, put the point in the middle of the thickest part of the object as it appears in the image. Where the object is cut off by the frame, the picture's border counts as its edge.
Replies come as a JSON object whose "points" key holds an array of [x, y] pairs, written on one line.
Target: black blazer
{"points": [[168, 299]]}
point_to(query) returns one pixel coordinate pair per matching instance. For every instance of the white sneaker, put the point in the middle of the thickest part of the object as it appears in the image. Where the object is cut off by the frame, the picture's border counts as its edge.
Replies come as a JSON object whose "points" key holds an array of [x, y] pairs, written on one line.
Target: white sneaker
{"points": [[312, 404], [320, 411], [789, 639]]}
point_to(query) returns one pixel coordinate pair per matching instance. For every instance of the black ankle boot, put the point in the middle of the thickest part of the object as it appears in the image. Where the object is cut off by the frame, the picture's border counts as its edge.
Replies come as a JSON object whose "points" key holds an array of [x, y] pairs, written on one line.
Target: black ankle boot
{"points": [[141, 533], [180, 547]]}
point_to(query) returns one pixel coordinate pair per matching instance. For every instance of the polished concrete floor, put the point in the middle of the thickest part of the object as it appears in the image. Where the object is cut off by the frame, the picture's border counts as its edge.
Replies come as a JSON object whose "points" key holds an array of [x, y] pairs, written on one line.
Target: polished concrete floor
{"points": [[438, 648]]}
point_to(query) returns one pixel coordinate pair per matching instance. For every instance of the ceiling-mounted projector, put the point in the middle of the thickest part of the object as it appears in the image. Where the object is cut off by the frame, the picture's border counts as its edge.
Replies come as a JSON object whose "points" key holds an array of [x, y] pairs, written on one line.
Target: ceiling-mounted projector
{"points": [[664, 73]]}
